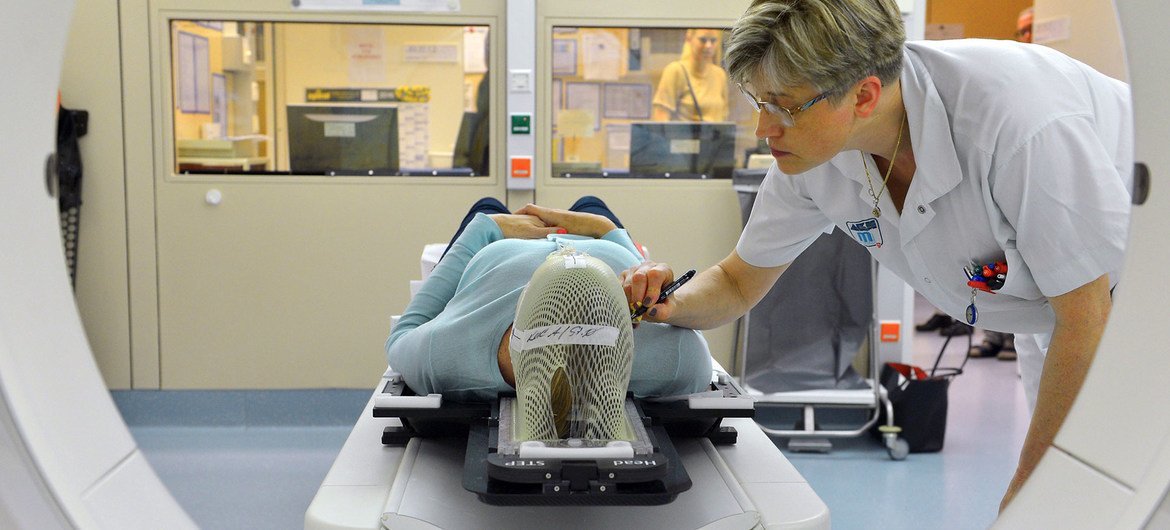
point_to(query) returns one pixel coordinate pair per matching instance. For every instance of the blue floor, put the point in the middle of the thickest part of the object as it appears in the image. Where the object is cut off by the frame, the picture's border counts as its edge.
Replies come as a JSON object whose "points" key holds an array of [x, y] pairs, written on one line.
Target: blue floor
{"points": [[242, 459], [957, 488], [250, 460], [242, 477]]}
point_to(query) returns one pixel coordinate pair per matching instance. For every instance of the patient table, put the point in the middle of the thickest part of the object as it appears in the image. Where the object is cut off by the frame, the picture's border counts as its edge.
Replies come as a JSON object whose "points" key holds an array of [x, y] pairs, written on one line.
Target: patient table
{"points": [[371, 486], [748, 484]]}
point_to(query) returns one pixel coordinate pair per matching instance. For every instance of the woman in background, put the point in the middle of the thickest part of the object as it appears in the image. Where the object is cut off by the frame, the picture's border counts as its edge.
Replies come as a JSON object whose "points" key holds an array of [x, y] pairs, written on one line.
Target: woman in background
{"points": [[694, 88]]}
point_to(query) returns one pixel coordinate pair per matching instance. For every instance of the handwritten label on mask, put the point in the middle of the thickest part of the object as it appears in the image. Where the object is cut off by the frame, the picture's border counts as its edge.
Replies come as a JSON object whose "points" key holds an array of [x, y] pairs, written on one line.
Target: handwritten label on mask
{"points": [[588, 334]]}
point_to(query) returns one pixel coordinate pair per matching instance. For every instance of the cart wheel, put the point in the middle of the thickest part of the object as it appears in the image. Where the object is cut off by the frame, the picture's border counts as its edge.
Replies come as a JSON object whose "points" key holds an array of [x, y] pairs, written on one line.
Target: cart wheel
{"points": [[899, 449]]}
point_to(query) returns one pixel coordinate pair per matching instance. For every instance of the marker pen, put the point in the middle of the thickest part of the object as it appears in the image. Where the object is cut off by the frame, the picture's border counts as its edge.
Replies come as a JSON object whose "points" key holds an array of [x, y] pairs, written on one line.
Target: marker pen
{"points": [[666, 292]]}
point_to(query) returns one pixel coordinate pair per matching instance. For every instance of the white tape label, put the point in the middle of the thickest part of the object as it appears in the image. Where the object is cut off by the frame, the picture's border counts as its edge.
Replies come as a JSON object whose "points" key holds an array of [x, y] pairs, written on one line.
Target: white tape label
{"points": [[563, 334]]}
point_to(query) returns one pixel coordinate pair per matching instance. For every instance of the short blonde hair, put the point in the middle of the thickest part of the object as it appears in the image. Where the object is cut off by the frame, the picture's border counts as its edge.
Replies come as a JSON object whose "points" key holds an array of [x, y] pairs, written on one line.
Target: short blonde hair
{"points": [[829, 44]]}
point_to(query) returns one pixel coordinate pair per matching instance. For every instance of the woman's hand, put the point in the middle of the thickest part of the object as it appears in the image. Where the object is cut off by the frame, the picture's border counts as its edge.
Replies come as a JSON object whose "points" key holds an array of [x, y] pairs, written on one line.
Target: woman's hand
{"points": [[580, 223], [643, 283], [520, 226]]}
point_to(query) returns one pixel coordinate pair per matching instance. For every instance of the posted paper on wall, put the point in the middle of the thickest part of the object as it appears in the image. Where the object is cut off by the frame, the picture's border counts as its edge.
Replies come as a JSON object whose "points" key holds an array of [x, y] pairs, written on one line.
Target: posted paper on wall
{"points": [[602, 55], [365, 49], [475, 44]]}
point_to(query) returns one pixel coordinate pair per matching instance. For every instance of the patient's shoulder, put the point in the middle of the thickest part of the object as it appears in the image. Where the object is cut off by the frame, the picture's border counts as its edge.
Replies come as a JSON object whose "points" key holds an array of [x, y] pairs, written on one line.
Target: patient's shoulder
{"points": [[669, 360]]}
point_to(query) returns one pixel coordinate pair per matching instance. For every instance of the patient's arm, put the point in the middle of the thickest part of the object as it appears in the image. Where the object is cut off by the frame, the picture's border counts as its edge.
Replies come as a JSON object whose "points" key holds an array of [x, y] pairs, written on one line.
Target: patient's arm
{"points": [[440, 286], [714, 297], [402, 345], [522, 226], [580, 223]]}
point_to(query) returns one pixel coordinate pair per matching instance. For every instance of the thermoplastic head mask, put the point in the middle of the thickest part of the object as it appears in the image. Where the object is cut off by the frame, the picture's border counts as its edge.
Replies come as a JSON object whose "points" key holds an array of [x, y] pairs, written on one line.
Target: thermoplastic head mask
{"points": [[572, 351]]}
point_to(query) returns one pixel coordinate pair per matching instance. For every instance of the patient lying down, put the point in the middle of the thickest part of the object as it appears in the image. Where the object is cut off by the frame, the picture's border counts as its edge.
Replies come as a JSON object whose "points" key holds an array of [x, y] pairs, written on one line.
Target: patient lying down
{"points": [[572, 332]]}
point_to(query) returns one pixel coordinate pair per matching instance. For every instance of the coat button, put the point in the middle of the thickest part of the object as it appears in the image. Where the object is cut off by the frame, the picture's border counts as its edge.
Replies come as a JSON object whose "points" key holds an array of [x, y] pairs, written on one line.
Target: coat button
{"points": [[921, 209]]}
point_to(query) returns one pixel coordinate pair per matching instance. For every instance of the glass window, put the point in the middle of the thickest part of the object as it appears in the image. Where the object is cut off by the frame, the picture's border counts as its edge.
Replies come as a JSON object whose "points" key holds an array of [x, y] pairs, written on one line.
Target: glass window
{"points": [[330, 99], [646, 103]]}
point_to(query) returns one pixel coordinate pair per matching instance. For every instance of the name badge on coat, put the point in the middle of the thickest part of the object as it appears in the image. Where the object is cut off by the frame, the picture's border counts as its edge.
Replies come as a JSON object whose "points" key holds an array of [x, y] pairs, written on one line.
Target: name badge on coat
{"points": [[867, 232]]}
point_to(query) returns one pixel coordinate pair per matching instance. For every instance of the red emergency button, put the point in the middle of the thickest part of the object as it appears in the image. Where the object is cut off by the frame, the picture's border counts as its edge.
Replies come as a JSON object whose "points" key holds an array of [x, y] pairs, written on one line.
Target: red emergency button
{"points": [[891, 330], [521, 167]]}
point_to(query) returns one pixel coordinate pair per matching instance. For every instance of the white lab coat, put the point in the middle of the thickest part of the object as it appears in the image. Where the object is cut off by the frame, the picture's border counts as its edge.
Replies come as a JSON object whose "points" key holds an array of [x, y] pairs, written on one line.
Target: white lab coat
{"points": [[1023, 155]]}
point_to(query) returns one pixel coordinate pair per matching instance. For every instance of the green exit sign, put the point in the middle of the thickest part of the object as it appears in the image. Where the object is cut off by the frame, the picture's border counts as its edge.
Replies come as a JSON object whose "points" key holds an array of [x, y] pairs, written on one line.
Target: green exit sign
{"points": [[521, 124]]}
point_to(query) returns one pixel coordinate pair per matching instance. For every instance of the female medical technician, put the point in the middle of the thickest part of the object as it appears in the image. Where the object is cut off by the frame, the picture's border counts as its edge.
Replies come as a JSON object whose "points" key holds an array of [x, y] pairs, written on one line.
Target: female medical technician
{"points": [[943, 158]]}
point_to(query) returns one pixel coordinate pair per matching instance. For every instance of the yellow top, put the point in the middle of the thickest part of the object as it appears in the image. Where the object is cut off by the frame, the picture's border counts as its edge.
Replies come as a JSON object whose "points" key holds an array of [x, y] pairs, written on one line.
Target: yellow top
{"points": [[710, 89]]}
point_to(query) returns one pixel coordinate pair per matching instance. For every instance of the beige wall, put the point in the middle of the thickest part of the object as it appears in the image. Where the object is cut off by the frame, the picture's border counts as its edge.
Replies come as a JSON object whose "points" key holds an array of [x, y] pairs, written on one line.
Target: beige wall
{"points": [[91, 81], [1094, 34]]}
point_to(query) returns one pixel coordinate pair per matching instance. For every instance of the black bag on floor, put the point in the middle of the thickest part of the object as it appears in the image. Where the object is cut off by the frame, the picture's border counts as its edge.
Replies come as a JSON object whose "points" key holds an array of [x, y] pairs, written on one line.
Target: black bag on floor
{"points": [[920, 404]]}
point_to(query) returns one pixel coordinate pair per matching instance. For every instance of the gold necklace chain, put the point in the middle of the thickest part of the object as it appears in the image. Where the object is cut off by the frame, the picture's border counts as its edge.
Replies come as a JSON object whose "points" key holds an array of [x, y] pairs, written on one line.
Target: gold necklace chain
{"points": [[877, 212]]}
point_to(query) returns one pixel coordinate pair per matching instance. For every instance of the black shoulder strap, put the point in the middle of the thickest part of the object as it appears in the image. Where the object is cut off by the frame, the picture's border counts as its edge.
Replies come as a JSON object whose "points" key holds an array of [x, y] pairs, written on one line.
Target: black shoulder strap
{"points": [[691, 89]]}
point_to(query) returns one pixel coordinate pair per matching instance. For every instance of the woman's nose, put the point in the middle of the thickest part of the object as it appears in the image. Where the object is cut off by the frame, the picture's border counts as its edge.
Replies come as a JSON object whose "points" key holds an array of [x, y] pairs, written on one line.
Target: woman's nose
{"points": [[768, 125]]}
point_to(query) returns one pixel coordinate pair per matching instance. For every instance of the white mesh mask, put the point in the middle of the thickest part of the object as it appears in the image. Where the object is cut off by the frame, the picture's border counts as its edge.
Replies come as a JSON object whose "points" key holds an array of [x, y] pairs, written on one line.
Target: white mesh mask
{"points": [[572, 342]]}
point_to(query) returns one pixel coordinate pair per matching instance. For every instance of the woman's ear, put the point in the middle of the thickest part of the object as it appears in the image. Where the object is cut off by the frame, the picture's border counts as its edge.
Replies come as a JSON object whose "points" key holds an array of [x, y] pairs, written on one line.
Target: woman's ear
{"points": [[868, 92]]}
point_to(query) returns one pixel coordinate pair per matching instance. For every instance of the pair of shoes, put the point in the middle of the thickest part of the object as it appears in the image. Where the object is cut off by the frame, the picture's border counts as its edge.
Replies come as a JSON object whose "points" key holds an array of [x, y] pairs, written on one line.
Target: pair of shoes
{"points": [[955, 329], [935, 322], [986, 349]]}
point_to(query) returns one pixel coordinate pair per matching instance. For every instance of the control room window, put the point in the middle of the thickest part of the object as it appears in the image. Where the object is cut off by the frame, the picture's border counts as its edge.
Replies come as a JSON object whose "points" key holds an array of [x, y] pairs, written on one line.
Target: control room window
{"points": [[330, 99], [646, 103]]}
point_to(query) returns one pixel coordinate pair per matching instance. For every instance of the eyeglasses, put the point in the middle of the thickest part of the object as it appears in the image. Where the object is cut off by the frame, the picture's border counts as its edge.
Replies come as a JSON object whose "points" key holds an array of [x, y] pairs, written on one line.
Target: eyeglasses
{"points": [[783, 113]]}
